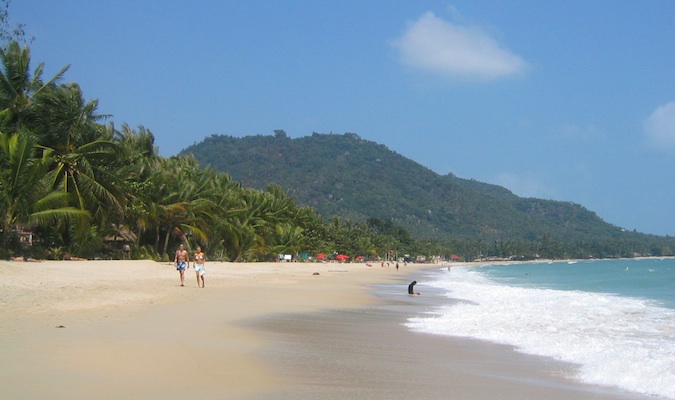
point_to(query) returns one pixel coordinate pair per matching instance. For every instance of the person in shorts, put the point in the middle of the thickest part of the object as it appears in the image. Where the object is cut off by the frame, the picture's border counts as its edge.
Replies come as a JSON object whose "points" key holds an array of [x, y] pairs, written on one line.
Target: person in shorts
{"points": [[200, 260], [182, 261]]}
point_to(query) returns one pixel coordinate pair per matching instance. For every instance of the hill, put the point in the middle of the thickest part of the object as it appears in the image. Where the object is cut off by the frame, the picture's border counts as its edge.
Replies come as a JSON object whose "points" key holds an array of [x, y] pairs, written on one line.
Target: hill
{"points": [[353, 178]]}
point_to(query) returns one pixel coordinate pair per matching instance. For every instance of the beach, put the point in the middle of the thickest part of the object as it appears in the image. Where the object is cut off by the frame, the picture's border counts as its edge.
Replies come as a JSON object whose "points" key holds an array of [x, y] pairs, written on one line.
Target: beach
{"points": [[127, 329]]}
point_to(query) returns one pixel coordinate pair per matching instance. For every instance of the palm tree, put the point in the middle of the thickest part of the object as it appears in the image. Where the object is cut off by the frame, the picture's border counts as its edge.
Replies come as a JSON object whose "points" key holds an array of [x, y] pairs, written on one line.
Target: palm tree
{"points": [[18, 86], [85, 157], [175, 198], [140, 143], [285, 238], [85, 160], [227, 199], [136, 157], [26, 198]]}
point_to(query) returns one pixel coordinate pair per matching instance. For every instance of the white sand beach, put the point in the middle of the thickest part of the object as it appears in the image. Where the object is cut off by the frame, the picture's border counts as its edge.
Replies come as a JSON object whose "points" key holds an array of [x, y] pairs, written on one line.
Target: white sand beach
{"points": [[127, 329]]}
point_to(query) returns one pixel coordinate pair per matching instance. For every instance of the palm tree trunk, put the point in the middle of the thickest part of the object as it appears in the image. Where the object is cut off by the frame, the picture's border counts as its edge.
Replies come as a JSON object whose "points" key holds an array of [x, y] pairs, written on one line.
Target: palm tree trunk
{"points": [[157, 239], [166, 241]]}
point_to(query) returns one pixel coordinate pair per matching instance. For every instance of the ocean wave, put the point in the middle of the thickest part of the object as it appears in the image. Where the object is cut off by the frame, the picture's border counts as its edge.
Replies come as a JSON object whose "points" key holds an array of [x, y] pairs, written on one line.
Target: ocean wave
{"points": [[616, 341]]}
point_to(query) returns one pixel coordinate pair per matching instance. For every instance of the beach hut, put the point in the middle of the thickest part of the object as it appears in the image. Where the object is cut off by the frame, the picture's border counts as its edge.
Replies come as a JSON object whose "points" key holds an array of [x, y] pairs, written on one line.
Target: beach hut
{"points": [[120, 241]]}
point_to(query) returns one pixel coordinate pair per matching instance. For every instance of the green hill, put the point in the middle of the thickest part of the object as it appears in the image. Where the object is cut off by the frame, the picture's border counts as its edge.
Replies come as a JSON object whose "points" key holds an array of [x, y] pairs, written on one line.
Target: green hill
{"points": [[354, 178]]}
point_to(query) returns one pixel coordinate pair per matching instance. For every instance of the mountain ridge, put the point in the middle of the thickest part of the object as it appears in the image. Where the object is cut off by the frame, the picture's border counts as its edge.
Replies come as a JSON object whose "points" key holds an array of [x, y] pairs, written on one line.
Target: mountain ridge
{"points": [[356, 179]]}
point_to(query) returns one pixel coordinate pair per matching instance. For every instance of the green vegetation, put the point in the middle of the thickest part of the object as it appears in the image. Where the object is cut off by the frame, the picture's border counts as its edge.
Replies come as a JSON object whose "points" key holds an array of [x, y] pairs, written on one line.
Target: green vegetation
{"points": [[78, 184], [71, 184], [75, 184], [359, 180]]}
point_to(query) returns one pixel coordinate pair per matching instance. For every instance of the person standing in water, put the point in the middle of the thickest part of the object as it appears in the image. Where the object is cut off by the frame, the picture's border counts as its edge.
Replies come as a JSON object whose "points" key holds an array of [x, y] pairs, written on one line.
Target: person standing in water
{"points": [[411, 289], [182, 261], [200, 260]]}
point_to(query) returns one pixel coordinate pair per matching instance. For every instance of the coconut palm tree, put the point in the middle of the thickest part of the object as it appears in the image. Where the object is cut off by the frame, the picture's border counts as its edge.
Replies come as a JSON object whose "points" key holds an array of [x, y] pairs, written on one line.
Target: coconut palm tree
{"points": [[26, 196], [85, 158], [285, 238], [139, 143], [175, 198], [18, 85], [227, 199]]}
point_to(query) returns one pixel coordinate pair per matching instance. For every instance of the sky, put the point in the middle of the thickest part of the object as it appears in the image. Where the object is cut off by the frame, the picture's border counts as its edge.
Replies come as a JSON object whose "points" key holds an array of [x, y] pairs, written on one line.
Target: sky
{"points": [[568, 100]]}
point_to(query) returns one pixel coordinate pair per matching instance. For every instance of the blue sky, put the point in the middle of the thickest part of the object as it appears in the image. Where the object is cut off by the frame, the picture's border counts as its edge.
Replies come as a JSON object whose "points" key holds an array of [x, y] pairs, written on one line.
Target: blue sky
{"points": [[569, 100]]}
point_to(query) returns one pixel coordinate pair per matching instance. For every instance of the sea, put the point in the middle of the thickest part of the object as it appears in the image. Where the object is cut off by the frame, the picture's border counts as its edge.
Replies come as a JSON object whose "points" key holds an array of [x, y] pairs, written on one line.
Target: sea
{"points": [[613, 319]]}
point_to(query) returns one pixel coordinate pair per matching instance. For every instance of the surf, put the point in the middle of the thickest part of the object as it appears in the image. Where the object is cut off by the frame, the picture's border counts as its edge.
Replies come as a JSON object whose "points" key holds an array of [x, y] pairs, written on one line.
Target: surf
{"points": [[611, 328]]}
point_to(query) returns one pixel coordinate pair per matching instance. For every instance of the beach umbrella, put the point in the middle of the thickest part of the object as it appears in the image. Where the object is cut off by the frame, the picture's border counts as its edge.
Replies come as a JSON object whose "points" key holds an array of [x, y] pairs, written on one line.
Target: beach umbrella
{"points": [[341, 257], [321, 256]]}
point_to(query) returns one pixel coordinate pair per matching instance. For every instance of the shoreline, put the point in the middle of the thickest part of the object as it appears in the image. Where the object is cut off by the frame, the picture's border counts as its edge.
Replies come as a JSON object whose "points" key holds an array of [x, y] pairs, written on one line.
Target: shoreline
{"points": [[119, 329], [367, 352]]}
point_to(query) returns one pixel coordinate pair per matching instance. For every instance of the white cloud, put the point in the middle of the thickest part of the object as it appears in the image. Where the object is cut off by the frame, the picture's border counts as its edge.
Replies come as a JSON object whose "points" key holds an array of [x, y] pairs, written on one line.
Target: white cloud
{"points": [[435, 45], [660, 127]]}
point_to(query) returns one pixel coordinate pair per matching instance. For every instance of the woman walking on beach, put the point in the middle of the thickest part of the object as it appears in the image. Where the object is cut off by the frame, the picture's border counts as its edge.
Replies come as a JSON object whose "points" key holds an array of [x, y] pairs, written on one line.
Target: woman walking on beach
{"points": [[182, 260], [200, 260]]}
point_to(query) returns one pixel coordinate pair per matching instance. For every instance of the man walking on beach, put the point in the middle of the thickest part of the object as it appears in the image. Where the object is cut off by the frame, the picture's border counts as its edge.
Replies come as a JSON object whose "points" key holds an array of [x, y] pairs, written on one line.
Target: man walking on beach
{"points": [[182, 260]]}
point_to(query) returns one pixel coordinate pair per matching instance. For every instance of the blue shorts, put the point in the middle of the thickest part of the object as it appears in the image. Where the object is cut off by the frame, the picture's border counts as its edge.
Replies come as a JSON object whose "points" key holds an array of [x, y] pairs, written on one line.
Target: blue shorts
{"points": [[181, 265]]}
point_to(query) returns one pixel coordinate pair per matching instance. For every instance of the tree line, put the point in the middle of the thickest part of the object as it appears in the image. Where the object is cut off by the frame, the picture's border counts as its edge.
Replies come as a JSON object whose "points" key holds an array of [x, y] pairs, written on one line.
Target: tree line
{"points": [[79, 184]]}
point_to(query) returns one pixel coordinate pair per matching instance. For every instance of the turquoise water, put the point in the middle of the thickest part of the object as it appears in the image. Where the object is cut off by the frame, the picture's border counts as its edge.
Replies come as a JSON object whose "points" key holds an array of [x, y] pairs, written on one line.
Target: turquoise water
{"points": [[615, 319], [652, 279]]}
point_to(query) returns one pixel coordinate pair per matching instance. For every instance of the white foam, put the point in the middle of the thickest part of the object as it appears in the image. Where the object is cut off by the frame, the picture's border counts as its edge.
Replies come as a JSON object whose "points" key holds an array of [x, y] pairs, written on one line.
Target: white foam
{"points": [[617, 341]]}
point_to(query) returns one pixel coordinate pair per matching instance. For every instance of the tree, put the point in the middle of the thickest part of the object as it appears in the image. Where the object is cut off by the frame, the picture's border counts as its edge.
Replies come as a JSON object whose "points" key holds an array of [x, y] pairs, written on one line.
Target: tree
{"points": [[26, 198], [177, 200], [7, 31], [85, 157], [85, 160], [140, 143], [18, 85]]}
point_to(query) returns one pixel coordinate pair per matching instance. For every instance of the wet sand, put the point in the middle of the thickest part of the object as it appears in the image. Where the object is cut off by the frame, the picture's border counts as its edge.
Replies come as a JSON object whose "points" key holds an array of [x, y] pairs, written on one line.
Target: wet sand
{"points": [[368, 353], [127, 329]]}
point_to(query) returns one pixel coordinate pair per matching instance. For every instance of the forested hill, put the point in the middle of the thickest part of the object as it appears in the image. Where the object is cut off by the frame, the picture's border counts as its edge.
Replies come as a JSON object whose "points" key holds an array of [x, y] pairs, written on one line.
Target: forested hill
{"points": [[354, 178]]}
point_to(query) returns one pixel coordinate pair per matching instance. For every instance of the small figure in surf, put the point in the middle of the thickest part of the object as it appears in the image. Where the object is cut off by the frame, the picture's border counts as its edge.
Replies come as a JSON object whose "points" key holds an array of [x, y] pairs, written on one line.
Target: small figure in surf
{"points": [[411, 288]]}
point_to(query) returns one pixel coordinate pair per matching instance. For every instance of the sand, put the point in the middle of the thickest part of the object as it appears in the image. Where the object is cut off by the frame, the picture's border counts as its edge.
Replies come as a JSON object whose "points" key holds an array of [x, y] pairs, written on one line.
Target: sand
{"points": [[127, 329]]}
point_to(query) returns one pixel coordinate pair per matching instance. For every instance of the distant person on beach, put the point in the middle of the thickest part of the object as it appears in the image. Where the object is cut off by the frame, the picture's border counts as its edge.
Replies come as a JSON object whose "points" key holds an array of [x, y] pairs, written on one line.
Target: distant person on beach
{"points": [[411, 288], [200, 260], [182, 260], [25, 258]]}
